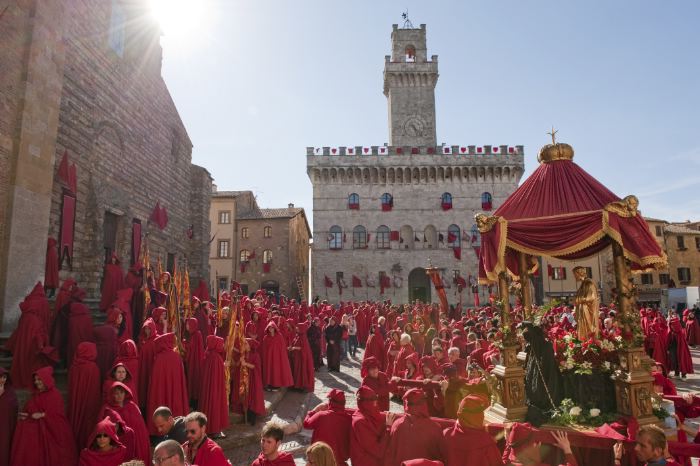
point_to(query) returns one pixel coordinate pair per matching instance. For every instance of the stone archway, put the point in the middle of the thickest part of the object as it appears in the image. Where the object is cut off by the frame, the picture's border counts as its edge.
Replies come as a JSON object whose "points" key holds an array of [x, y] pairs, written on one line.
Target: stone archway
{"points": [[419, 285]]}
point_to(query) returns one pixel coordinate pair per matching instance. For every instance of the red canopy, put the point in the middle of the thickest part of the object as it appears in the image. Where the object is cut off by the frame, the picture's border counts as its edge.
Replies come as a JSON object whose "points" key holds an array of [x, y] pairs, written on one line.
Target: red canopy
{"points": [[563, 212]]}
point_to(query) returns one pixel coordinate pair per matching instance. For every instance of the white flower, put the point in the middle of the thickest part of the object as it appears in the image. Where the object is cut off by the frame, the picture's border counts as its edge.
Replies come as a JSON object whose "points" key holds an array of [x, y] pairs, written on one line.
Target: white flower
{"points": [[570, 363], [575, 411], [594, 412], [587, 365], [567, 337], [607, 364]]}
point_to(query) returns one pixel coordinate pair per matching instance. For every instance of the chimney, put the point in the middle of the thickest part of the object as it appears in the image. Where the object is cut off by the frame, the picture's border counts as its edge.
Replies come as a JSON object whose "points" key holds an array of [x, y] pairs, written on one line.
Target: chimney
{"points": [[290, 205]]}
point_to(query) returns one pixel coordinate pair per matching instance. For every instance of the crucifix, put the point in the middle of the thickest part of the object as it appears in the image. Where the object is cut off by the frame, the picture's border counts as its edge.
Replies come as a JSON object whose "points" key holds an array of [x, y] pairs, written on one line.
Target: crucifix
{"points": [[553, 133]]}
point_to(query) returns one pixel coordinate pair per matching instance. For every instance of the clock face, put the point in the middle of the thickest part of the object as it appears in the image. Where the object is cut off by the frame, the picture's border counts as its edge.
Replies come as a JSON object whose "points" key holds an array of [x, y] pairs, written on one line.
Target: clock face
{"points": [[414, 127]]}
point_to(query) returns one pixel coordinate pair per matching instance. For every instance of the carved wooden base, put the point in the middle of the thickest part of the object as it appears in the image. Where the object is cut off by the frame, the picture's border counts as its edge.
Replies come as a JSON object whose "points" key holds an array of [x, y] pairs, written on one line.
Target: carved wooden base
{"points": [[633, 386], [509, 394]]}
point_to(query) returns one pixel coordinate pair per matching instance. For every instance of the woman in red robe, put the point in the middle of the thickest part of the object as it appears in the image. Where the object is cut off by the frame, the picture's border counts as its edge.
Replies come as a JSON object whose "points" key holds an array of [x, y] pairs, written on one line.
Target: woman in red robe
{"points": [[369, 437], [84, 395], [121, 401], [212, 400], [104, 447], [126, 434], [118, 373], [194, 356], [129, 356], [146, 355], [375, 348], [275, 362], [112, 282], [51, 269], [80, 326], [8, 415], [105, 337], [168, 386], [392, 352], [680, 360], [43, 436], [302, 360]]}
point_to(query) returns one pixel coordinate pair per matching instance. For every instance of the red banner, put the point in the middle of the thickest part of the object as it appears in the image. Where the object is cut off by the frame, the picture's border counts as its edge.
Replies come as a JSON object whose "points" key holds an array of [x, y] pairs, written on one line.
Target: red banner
{"points": [[65, 248]]}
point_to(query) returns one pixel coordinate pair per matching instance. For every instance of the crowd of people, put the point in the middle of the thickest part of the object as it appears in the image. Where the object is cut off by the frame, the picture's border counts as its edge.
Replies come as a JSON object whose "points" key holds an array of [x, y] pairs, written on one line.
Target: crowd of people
{"points": [[142, 379]]}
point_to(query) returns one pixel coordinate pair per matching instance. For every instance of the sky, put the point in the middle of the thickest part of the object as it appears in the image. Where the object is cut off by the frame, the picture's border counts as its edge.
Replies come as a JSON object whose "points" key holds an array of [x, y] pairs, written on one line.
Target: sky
{"points": [[257, 81]]}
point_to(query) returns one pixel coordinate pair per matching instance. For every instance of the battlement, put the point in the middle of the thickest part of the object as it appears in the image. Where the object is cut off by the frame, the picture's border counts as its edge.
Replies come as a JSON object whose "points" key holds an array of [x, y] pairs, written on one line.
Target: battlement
{"points": [[451, 150]]}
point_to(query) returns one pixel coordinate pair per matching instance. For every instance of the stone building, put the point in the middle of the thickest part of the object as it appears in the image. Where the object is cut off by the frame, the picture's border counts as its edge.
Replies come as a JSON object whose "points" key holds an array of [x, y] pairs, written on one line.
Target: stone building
{"points": [[384, 213], [258, 248], [82, 84]]}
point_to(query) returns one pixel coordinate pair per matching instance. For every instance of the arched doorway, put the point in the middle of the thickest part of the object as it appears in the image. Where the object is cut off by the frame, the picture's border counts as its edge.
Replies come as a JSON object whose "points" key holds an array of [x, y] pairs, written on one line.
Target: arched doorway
{"points": [[271, 286], [419, 285]]}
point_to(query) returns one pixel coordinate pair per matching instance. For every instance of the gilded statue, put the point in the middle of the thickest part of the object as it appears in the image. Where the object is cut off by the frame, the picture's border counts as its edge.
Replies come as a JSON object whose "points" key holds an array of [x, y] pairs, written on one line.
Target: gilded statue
{"points": [[587, 305]]}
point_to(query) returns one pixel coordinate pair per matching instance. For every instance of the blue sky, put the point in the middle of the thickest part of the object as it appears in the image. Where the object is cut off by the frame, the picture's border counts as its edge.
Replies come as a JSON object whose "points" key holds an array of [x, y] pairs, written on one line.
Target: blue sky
{"points": [[261, 80]]}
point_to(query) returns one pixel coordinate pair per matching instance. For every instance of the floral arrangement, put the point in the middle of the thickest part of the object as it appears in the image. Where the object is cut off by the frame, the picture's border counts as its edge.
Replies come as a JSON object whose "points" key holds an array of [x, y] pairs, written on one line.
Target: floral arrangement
{"points": [[568, 414], [585, 357]]}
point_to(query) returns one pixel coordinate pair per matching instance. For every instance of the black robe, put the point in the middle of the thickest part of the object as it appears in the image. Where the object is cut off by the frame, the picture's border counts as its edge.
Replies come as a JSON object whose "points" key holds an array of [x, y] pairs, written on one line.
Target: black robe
{"points": [[543, 386], [333, 334], [314, 336]]}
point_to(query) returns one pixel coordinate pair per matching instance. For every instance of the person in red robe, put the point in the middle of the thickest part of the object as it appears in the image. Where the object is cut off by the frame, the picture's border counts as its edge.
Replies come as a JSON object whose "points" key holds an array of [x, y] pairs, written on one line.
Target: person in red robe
{"points": [[51, 269], [112, 281], [332, 423], [200, 449], [375, 348], [129, 356], [369, 437], [467, 442], [8, 415], [270, 442], [414, 435], [302, 360], [63, 297], [679, 358], [392, 352], [125, 433], [168, 386], [212, 400], [276, 371], [522, 450], [104, 447], [105, 337], [123, 302], [43, 436], [121, 401], [254, 404], [147, 352], [377, 381], [194, 357], [84, 395], [119, 373], [80, 326]]}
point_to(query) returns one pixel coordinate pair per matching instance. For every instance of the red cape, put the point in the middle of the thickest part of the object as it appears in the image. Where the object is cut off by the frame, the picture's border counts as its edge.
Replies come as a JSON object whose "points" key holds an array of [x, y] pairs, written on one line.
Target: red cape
{"points": [[129, 356], [113, 281], [303, 362], [332, 426], [414, 437], [168, 386], [275, 362], [90, 456], [469, 446], [375, 347], [132, 417], [84, 395], [194, 356], [369, 439], [105, 337], [212, 400], [146, 356], [381, 387], [284, 459], [47, 441], [8, 420], [51, 270], [80, 328], [25, 344], [208, 454]]}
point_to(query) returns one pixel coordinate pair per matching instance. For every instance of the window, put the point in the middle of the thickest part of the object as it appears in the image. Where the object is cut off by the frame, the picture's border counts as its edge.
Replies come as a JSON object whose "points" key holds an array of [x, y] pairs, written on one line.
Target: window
{"points": [[697, 243], [647, 279], [245, 255], [267, 232], [170, 263], [446, 201], [224, 217], [659, 231], [559, 273], [223, 248], [335, 238], [410, 54], [354, 201], [663, 278], [486, 201], [267, 256], [683, 274], [117, 28], [430, 237], [387, 202], [453, 237], [223, 283], [383, 237], [681, 242], [244, 233], [359, 237], [475, 236]]}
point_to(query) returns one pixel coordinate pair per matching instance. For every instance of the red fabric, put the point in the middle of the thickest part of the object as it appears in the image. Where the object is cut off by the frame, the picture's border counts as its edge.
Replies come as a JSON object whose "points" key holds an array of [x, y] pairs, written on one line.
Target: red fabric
{"points": [[267, 267], [47, 441], [51, 269], [168, 386], [414, 435], [84, 394], [111, 378], [302, 360], [212, 399], [327, 282], [128, 355], [105, 337], [256, 398], [135, 242], [112, 282], [80, 328], [457, 253], [209, 452], [460, 446], [369, 436], [446, 205], [194, 356], [65, 249], [332, 426], [386, 207], [132, 417], [284, 459], [381, 387], [356, 282], [147, 354], [375, 348], [395, 236], [91, 456], [202, 291], [561, 206], [275, 361], [8, 419]]}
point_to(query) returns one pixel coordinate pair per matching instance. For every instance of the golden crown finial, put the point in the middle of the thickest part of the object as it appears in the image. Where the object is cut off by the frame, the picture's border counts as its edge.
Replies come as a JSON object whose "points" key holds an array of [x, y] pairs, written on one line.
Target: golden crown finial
{"points": [[555, 150]]}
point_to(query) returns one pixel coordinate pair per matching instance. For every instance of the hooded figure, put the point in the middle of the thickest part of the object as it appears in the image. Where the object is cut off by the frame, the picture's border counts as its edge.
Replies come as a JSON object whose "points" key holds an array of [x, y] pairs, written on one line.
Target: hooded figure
{"points": [[212, 399], [84, 395], [194, 357], [104, 447], [80, 326], [678, 352], [276, 371], [112, 281], [540, 365], [126, 434], [51, 269], [375, 348], [414, 435], [369, 436], [43, 436], [129, 356], [467, 442], [254, 402], [8, 415], [121, 401], [119, 373], [377, 380], [147, 353], [302, 360], [332, 424], [168, 386]]}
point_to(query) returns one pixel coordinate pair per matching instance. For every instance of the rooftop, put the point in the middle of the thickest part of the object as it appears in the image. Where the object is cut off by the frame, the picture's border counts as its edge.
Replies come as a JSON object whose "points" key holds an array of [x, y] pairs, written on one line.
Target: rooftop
{"points": [[285, 212], [229, 193], [681, 229]]}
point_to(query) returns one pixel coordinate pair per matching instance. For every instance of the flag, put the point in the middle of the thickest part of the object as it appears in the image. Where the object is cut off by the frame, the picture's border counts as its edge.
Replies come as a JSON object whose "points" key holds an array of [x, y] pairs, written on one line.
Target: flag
{"points": [[267, 267], [451, 237], [356, 282], [366, 150], [243, 267], [350, 151], [395, 236], [335, 151], [457, 252], [64, 169], [461, 283], [479, 150], [163, 218], [384, 283], [463, 150], [434, 275], [318, 151], [251, 255], [327, 282], [550, 270], [382, 150], [495, 149], [441, 237], [447, 150]]}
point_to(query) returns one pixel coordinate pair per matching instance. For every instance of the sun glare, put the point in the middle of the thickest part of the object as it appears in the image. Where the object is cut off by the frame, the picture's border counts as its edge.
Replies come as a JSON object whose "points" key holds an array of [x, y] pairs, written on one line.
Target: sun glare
{"points": [[179, 19]]}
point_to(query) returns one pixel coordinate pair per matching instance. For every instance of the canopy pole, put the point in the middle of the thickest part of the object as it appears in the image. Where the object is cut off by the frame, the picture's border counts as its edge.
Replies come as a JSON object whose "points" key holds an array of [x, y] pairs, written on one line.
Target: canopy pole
{"points": [[504, 296], [622, 283], [525, 292]]}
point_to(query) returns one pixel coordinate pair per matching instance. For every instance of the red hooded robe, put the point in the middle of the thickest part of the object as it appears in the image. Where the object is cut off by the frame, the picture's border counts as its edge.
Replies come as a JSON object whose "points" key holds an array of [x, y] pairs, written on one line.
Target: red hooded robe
{"points": [[131, 414], [212, 400], [467, 442], [302, 360], [275, 362], [146, 355], [375, 347], [194, 357], [284, 459], [8, 418], [112, 282], [129, 356], [91, 456], [369, 436], [80, 326], [168, 386], [332, 426], [414, 435], [84, 395]]}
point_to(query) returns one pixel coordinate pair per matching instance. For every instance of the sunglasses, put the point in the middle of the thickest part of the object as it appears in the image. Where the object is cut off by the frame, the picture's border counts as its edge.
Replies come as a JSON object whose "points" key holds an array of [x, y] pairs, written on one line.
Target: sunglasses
{"points": [[101, 435]]}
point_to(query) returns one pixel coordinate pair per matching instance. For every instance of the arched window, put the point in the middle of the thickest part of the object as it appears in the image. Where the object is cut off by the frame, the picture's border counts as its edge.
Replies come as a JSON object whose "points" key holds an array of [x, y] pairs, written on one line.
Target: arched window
{"points": [[244, 233], [387, 202], [383, 237], [335, 237], [430, 237], [486, 201], [245, 255], [475, 237], [354, 201], [267, 232], [407, 238], [267, 256], [359, 237], [446, 201], [410, 54], [453, 237]]}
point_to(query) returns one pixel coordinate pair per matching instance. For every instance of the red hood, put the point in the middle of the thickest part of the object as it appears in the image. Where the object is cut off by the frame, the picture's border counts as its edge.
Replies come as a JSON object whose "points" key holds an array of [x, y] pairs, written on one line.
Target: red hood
{"points": [[45, 374], [128, 397], [105, 426], [86, 351], [127, 350], [152, 326], [165, 342], [215, 343]]}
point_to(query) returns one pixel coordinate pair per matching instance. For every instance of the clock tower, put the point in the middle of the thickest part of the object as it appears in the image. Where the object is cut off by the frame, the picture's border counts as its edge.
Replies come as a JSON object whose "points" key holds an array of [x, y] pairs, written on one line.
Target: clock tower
{"points": [[409, 86]]}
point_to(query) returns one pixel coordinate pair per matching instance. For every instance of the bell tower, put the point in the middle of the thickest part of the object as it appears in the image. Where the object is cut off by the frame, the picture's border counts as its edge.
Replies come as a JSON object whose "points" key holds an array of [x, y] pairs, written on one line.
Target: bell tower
{"points": [[409, 86]]}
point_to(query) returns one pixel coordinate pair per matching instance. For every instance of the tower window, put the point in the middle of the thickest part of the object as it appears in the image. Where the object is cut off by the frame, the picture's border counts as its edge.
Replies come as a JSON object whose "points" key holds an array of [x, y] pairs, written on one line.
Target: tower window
{"points": [[486, 201], [383, 237], [267, 232], [244, 233], [117, 28], [410, 54], [359, 237], [245, 255], [354, 201], [335, 238], [224, 217], [223, 248], [387, 202], [446, 201], [267, 256]]}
